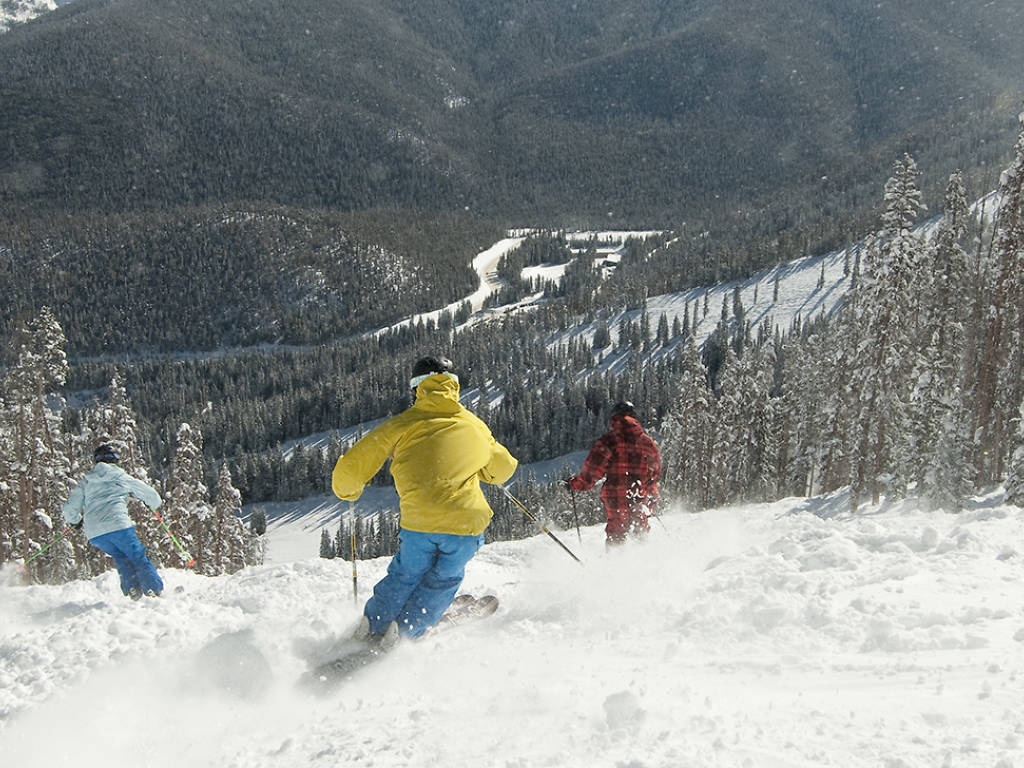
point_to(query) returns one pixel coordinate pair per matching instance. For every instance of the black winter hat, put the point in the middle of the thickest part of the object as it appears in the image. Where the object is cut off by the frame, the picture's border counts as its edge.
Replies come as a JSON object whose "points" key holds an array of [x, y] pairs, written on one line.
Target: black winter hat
{"points": [[427, 365], [105, 453], [623, 408]]}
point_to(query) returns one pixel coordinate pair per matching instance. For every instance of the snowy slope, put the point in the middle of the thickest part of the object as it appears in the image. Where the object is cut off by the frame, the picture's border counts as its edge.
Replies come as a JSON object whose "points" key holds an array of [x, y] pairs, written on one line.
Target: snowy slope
{"points": [[15, 11], [785, 634], [799, 295]]}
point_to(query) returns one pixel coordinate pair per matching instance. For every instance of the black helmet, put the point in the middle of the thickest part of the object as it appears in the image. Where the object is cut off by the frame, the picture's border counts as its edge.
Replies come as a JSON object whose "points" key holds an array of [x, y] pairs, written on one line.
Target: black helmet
{"points": [[623, 408], [105, 453], [428, 365]]}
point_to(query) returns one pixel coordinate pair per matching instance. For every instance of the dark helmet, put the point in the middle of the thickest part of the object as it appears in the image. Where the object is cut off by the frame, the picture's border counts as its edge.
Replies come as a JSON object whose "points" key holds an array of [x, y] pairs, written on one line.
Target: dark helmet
{"points": [[428, 365], [105, 453], [623, 408]]}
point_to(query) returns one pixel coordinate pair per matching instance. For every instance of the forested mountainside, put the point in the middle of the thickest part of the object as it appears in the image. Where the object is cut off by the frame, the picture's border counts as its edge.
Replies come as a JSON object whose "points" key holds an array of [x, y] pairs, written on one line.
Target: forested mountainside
{"points": [[740, 119], [215, 276]]}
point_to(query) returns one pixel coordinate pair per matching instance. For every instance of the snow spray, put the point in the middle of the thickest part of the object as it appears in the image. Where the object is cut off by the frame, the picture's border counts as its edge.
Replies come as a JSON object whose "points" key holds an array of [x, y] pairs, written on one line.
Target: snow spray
{"points": [[12, 575]]}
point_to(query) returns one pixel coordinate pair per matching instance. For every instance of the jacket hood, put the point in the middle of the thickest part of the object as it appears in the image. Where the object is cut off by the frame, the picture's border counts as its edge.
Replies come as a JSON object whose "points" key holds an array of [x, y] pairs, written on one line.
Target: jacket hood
{"points": [[438, 393], [105, 469], [627, 425]]}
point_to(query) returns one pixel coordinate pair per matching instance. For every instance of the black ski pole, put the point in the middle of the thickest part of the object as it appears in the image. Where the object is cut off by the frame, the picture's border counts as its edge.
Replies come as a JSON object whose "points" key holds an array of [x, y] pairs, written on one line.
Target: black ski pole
{"points": [[543, 527], [575, 515], [352, 546]]}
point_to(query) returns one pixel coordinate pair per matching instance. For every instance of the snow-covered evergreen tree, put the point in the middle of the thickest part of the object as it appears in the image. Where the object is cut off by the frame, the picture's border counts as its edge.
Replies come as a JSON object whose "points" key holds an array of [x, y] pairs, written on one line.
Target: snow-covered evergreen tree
{"points": [[949, 478], [1001, 365], [326, 545], [687, 434], [727, 454], [36, 471], [803, 410], [1015, 475], [935, 444], [833, 355], [746, 446], [886, 314], [231, 546], [188, 512]]}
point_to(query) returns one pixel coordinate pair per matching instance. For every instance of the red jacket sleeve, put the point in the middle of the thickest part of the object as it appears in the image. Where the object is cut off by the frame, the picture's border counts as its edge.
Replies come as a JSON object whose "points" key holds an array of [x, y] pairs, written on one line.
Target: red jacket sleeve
{"points": [[594, 467]]}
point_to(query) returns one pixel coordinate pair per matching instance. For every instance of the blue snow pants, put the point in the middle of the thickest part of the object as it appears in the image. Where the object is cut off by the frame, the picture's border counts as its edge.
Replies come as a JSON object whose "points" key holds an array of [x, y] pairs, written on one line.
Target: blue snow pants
{"points": [[130, 559], [421, 582]]}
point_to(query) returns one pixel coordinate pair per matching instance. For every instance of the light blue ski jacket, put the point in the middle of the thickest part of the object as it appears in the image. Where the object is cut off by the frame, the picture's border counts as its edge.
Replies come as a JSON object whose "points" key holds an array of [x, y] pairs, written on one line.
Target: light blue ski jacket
{"points": [[100, 500]]}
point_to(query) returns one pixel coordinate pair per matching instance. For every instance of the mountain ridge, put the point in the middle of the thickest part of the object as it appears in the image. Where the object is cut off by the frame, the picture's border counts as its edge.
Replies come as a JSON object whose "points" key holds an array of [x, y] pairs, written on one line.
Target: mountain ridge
{"points": [[534, 113]]}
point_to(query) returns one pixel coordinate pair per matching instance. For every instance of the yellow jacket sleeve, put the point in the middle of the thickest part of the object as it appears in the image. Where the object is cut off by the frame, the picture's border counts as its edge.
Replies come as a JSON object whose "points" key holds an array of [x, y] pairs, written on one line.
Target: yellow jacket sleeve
{"points": [[362, 461], [501, 467]]}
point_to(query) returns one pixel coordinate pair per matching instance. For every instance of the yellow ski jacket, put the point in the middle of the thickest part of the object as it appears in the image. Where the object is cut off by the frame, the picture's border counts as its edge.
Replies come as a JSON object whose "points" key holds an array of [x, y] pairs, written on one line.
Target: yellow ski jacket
{"points": [[439, 453]]}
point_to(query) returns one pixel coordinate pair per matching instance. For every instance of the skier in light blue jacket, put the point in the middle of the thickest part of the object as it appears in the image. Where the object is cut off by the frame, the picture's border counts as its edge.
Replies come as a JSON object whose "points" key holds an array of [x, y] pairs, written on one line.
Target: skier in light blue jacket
{"points": [[98, 506]]}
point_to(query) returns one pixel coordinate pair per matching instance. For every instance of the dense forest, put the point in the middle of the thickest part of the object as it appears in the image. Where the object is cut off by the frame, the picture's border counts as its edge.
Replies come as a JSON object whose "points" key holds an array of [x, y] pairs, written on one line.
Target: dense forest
{"points": [[235, 276]]}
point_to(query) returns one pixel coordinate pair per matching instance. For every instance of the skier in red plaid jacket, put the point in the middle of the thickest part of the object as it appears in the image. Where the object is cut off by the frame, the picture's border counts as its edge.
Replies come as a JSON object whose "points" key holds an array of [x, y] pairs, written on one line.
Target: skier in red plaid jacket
{"points": [[630, 462]]}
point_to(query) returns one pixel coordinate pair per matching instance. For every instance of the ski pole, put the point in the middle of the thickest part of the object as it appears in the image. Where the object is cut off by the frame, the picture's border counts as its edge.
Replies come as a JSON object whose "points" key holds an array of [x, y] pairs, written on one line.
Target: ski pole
{"points": [[352, 545], [37, 554], [575, 515], [543, 527], [191, 560]]}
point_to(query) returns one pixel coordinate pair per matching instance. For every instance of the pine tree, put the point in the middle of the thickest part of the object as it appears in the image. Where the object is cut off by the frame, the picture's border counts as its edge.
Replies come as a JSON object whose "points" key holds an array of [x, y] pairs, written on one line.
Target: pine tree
{"points": [[231, 548], [258, 522], [687, 434], [341, 542], [949, 477], [326, 545], [746, 448], [884, 312], [189, 513], [834, 354], [1001, 368], [935, 448], [37, 471], [256, 544], [803, 425], [1015, 475]]}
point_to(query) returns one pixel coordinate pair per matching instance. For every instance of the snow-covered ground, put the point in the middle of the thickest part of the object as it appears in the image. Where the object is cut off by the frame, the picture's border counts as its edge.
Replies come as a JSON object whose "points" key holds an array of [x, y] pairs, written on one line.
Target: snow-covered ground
{"points": [[785, 634]]}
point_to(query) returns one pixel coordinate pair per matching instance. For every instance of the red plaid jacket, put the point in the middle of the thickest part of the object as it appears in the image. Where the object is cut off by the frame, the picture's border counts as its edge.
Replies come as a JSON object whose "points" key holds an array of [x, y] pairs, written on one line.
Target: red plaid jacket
{"points": [[629, 461]]}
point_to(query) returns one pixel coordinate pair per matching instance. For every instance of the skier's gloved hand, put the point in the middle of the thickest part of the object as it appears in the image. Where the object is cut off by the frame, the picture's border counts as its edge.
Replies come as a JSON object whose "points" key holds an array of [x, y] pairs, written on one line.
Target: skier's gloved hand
{"points": [[567, 481]]}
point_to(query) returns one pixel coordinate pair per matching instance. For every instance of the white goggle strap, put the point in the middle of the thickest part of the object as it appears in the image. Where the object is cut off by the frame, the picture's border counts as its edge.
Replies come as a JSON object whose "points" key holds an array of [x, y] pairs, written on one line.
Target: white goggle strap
{"points": [[415, 380]]}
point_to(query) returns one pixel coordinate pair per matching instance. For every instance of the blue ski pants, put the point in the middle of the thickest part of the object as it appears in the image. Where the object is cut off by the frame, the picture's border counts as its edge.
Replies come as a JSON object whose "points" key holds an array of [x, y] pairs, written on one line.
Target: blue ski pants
{"points": [[421, 582], [129, 555]]}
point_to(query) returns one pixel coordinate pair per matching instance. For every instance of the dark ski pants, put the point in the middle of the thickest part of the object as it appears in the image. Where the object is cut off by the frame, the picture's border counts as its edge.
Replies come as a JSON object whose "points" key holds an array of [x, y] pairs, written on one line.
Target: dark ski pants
{"points": [[625, 521], [421, 582], [129, 555]]}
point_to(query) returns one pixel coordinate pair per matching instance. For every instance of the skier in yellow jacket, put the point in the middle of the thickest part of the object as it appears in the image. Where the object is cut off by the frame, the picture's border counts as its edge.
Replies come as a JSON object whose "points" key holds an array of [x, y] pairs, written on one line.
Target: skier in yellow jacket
{"points": [[439, 453]]}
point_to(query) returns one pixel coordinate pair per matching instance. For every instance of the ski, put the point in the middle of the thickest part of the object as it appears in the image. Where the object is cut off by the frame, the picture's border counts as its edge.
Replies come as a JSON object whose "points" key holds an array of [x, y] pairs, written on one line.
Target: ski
{"points": [[357, 654], [466, 608]]}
